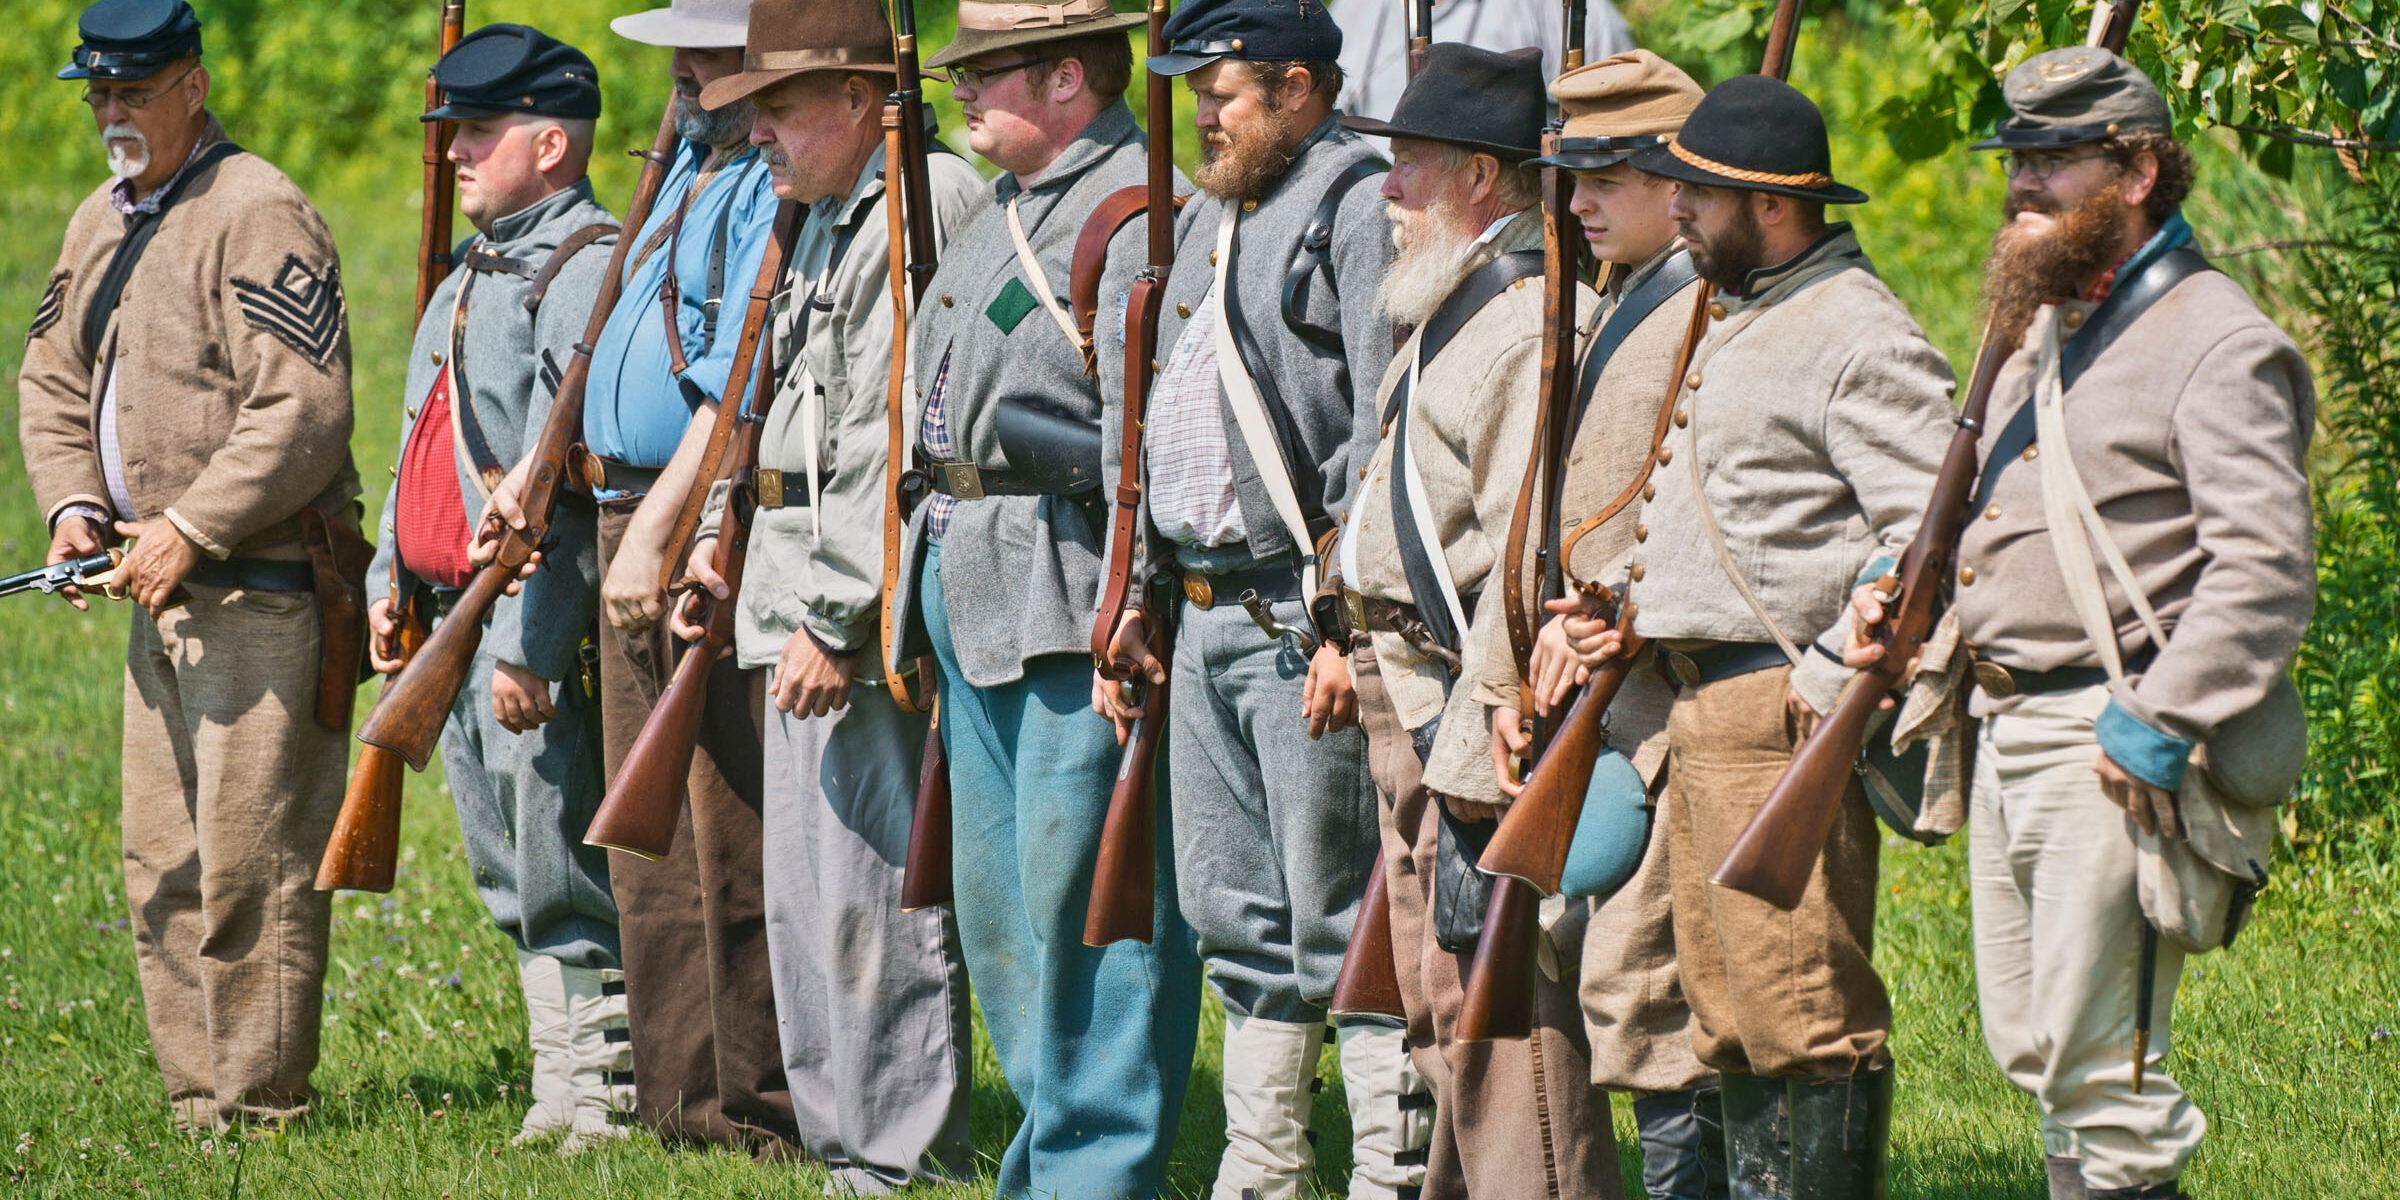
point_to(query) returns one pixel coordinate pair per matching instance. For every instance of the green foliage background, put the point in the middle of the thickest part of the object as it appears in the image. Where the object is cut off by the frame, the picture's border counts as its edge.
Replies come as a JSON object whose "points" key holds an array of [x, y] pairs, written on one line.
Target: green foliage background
{"points": [[2285, 1041]]}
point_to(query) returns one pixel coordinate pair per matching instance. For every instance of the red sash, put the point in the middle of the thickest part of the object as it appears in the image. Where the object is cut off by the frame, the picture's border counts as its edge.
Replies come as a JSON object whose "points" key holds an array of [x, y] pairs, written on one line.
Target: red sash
{"points": [[433, 533]]}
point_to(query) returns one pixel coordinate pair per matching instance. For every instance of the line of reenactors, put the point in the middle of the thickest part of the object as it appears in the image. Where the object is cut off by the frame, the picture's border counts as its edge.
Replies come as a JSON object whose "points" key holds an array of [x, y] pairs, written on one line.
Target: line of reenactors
{"points": [[1369, 445]]}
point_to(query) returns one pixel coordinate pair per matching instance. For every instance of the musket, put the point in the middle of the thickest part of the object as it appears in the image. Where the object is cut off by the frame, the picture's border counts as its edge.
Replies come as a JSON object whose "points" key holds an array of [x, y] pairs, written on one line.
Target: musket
{"points": [[1777, 851], [1125, 880], [908, 212], [1369, 983], [363, 852], [645, 801], [1527, 853], [409, 718]]}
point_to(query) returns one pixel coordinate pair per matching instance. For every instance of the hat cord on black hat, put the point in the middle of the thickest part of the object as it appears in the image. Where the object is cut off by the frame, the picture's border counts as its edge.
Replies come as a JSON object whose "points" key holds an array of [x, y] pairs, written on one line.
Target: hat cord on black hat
{"points": [[1811, 180]]}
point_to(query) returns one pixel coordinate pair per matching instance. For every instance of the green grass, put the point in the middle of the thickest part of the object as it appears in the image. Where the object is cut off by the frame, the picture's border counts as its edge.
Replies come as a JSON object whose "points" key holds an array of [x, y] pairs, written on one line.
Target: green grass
{"points": [[2282, 1041]]}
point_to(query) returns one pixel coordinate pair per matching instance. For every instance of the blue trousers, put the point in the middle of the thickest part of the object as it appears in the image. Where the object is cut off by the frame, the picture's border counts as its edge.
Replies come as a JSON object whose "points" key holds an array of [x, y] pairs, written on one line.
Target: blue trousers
{"points": [[1096, 1043]]}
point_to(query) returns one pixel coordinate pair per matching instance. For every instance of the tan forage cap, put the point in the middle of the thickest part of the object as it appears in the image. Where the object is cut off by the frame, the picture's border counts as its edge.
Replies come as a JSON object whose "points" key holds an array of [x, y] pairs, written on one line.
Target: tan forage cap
{"points": [[1618, 105]]}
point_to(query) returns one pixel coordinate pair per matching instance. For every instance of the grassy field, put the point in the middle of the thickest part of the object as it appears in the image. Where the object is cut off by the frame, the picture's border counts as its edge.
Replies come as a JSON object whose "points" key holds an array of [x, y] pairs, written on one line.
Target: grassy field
{"points": [[2285, 1041]]}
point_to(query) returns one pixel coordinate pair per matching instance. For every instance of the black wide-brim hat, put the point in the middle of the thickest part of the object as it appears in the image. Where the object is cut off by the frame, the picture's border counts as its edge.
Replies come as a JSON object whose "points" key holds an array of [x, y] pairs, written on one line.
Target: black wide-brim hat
{"points": [[1753, 133], [1484, 100]]}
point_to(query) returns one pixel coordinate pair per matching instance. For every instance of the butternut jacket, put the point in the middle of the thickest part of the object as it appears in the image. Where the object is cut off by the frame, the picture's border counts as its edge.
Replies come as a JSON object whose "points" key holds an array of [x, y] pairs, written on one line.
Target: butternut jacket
{"points": [[1607, 448], [231, 347], [1821, 414], [2189, 431]]}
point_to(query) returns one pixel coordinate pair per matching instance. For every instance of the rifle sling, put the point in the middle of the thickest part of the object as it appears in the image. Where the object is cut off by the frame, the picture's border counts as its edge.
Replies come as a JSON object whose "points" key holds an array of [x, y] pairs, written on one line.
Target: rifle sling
{"points": [[1425, 576], [139, 230], [2124, 306]]}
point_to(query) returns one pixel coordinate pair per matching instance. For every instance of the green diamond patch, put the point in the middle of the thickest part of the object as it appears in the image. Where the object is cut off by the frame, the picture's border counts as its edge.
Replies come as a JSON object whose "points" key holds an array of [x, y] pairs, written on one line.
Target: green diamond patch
{"points": [[1010, 306]]}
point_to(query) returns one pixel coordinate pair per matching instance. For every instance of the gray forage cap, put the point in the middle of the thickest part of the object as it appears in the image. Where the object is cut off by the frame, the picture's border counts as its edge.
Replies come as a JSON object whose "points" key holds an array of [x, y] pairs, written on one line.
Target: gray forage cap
{"points": [[2074, 96]]}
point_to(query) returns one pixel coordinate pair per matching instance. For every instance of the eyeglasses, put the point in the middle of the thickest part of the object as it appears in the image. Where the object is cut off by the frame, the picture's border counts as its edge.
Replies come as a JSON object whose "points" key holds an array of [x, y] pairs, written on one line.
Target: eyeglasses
{"points": [[2043, 164], [979, 78], [96, 98]]}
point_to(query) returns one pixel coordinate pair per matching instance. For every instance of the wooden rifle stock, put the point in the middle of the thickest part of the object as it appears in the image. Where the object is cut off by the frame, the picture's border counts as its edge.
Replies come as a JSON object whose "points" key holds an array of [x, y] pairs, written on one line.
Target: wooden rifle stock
{"points": [[1499, 998], [926, 879], [1777, 851], [1125, 871], [363, 853], [409, 718], [1369, 985], [645, 799]]}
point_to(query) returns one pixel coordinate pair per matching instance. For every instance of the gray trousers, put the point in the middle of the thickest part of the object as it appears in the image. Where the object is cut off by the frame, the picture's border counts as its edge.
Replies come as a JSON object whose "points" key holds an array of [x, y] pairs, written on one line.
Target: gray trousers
{"points": [[524, 800], [1274, 833], [871, 1001]]}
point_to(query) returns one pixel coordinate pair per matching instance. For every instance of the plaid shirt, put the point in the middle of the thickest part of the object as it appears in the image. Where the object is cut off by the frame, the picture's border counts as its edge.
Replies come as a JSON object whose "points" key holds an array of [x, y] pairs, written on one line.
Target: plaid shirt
{"points": [[1189, 463], [933, 434]]}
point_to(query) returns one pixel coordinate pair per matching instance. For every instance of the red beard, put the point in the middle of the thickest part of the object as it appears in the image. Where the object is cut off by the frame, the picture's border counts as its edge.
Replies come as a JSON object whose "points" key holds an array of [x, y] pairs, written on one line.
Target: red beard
{"points": [[2028, 270]]}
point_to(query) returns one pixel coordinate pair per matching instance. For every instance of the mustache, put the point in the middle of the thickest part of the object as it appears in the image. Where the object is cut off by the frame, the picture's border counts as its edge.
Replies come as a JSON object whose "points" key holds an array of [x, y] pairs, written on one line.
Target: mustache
{"points": [[122, 130], [775, 159]]}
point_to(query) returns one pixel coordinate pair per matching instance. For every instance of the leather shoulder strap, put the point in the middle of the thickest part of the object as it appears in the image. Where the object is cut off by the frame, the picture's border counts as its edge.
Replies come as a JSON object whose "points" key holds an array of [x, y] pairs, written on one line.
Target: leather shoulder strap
{"points": [[1461, 305], [2124, 306], [1316, 253], [138, 232], [558, 259]]}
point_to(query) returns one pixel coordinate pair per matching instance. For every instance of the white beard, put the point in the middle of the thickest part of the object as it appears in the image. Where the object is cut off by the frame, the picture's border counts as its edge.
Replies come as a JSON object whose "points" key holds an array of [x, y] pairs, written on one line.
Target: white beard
{"points": [[1431, 249], [126, 163]]}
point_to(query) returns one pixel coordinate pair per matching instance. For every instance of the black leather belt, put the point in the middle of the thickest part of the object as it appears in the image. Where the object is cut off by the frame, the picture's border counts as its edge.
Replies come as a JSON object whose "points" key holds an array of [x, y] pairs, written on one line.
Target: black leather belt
{"points": [[966, 481], [1723, 660], [1999, 681], [255, 574], [611, 475], [1206, 589], [1373, 614]]}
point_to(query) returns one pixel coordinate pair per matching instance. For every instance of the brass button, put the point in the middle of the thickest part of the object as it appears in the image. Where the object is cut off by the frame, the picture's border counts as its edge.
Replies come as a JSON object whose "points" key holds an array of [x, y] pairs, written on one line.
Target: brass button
{"points": [[1237, 47], [1966, 576], [1641, 533], [945, 299], [1184, 311], [1683, 416], [1212, 258], [395, 472], [1992, 513], [436, 356], [1716, 310], [1649, 491], [2073, 318], [1249, 206], [1362, 474], [1636, 572], [412, 414], [1666, 454], [1692, 381], [2032, 453]]}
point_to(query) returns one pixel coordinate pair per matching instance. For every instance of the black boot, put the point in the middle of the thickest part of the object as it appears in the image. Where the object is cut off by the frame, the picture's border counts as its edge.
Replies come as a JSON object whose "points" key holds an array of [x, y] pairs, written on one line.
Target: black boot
{"points": [[2066, 1179], [1841, 1128], [1758, 1148], [1683, 1145], [2169, 1190]]}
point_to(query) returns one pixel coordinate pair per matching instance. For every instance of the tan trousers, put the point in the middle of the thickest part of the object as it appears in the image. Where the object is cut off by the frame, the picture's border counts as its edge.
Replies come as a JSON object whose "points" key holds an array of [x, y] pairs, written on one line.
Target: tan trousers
{"points": [[707, 1060], [1634, 1013], [2058, 947], [230, 793], [1518, 1119], [1772, 993]]}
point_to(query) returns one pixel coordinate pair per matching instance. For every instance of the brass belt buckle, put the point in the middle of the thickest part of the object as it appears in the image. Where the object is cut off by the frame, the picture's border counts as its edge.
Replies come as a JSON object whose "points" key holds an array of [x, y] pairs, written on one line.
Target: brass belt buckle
{"points": [[1197, 590], [1994, 679], [1355, 605], [962, 480], [1685, 669], [770, 487]]}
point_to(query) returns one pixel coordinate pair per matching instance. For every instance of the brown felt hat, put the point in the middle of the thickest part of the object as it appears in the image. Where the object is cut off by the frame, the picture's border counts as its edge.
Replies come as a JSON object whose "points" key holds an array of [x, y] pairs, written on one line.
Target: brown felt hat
{"points": [[792, 37], [988, 25], [1614, 107]]}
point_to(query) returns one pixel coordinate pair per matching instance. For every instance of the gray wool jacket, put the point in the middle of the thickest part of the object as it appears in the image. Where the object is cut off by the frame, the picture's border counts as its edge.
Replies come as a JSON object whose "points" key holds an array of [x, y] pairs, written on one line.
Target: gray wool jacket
{"points": [[501, 360], [1330, 397], [1020, 574]]}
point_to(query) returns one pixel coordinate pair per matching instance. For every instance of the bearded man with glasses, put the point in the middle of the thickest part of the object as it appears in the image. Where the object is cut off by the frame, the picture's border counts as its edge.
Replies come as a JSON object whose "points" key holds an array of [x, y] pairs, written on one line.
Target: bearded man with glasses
{"points": [[186, 385]]}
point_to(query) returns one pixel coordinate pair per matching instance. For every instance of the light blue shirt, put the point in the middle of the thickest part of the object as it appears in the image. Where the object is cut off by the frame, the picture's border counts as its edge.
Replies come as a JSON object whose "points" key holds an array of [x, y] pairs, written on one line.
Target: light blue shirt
{"points": [[635, 406]]}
